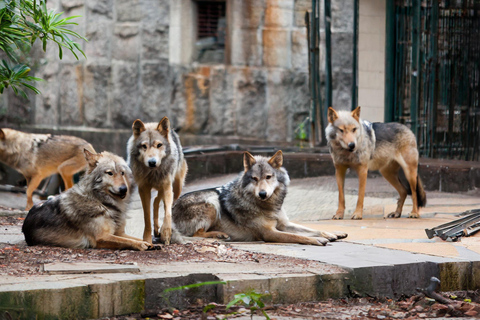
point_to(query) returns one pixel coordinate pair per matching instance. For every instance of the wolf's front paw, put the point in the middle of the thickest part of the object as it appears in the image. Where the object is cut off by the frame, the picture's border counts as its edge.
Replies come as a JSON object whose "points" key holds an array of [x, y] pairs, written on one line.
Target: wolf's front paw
{"points": [[394, 215], [165, 234], [222, 236], [357, 215], [340, 235], [319, 241], [147, 237], [329, 236], [414, 215], [143, 245], [338, 215]]}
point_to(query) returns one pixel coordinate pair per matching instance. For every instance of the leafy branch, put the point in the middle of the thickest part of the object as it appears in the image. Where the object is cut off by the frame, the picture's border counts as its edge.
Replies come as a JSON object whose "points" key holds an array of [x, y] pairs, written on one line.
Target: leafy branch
{"points": [[23, 22]]}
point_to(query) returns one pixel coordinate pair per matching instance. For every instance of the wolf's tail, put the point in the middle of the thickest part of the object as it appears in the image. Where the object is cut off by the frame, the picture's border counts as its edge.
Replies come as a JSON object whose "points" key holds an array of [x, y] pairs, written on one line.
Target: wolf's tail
{"points": [[421, 195]]}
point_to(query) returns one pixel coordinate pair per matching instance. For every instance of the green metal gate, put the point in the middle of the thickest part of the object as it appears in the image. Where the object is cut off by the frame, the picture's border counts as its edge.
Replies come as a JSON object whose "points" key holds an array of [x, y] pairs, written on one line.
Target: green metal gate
{"points": [[433, 74]]}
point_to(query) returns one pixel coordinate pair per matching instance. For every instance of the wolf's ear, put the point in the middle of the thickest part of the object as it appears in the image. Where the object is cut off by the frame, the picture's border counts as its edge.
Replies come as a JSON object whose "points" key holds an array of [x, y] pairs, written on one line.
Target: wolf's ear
{"points": [[2, 134], [356, 113], [138, 127], [164, 126], [248, 161], [92, 158], [277, 160], [332, 115]]}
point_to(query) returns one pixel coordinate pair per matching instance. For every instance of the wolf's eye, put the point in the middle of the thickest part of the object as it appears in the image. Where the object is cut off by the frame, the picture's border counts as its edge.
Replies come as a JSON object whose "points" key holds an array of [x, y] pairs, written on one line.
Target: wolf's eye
{"points": [[123, 173], [340, 130], [110, 173], [354, 129], [159, 145], [268, 177], [144, 146], [255, 179]]}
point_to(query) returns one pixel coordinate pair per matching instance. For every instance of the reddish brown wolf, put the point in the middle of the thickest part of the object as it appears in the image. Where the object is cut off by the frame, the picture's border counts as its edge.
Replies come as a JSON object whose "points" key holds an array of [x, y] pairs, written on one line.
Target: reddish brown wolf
{"points": [[38, 156]]}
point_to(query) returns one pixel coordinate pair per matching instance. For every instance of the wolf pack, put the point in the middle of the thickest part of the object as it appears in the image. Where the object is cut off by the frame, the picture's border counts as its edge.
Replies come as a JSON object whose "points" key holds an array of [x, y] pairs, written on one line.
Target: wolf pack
{"points": [[93, 212]]}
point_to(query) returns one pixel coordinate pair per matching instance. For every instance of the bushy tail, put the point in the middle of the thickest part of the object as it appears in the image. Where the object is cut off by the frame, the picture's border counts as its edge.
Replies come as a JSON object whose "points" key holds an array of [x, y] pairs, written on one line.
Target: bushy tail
{"points": [[421, 195]]}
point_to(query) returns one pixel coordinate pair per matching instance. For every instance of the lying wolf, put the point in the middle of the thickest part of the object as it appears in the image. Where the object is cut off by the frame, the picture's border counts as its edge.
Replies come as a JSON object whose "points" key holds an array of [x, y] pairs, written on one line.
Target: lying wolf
{"points": [[92, 214], [38, 156], [246, 209]]}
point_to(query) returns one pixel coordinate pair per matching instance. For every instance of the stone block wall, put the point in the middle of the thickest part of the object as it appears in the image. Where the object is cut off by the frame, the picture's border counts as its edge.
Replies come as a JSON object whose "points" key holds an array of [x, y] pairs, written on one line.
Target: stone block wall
{"points": [[138, 66]]}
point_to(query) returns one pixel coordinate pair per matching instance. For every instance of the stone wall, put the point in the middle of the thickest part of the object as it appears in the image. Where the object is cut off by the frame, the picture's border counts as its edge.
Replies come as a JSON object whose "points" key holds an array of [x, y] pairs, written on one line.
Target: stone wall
{"points": [[133, 70]]}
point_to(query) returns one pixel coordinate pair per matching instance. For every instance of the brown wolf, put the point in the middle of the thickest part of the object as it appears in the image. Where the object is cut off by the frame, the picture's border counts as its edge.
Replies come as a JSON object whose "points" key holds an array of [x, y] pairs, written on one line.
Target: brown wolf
{"points": [[156, 158], [38, 156], [246, 209], [92, 214], [387, 147]]}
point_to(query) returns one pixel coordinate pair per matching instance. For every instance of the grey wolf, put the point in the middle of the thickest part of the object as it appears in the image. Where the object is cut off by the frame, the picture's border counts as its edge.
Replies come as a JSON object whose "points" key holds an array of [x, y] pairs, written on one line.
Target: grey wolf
{"points": [[38, 156], [92, 214], [248, 208], [387, 147], [156, 158]]}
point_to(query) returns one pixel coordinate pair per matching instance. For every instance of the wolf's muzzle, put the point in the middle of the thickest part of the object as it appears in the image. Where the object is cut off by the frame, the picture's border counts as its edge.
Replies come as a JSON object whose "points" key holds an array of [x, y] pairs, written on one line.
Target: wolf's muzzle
{"points": [[351, 146], [262, 194], [152, 163]]}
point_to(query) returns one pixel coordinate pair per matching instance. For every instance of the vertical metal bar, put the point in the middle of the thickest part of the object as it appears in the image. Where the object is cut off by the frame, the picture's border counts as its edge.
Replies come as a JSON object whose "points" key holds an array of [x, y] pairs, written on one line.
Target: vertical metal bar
{"points": [[390, 74], [355, 56], [434, 77], [328, 54], [414, 84], [321, 113], [311, 73]]}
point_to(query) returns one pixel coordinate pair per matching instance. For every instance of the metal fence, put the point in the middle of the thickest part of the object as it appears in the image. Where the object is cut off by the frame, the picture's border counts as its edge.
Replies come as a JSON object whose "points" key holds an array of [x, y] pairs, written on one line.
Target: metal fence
{"points": [[435, 87]]}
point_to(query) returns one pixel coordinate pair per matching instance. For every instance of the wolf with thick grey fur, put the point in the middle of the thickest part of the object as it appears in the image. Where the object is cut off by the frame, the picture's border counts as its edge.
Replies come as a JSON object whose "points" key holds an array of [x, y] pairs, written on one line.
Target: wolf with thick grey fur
{"points": [[248, 208], [387, 147], [156, 158], [92, 214]]}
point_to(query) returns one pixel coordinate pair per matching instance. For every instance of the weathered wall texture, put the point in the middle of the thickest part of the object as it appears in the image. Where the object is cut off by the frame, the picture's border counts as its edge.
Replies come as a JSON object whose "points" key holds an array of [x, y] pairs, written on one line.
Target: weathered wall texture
{"points": [[261, 92]]}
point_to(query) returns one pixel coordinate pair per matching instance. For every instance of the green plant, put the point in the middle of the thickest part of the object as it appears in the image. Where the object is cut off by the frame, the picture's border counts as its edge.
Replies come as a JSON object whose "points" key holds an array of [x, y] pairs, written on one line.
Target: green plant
{"points": [[22, 22], [251, 300]]}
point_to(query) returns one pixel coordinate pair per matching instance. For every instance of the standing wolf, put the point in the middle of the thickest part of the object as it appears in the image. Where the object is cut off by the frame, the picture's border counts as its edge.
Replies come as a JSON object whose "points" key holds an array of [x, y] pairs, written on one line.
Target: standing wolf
{"points": [[156, 158], [92, 214], [38, 156], [246, 209], [363, 146]]}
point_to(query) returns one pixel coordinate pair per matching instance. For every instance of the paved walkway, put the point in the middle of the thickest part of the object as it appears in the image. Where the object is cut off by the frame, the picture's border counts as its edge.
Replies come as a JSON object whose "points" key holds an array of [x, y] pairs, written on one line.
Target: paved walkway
{"points": [[379, 257]]}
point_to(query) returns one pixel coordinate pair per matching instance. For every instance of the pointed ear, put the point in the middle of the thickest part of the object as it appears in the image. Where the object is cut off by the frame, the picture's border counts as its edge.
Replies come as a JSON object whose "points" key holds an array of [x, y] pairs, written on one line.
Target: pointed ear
{"points": [[356, 113], [332, 115], [138, 127], [277, 160], [2, 134], [92, 158], [164, 126], [248, 161]]}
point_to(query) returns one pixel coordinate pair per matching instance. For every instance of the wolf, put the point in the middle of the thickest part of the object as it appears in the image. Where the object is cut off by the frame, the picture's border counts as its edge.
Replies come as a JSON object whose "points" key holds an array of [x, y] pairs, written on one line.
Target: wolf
{"points": [[92, 214], [156, 158], [248, 208], [387, 147], [38, 156]]}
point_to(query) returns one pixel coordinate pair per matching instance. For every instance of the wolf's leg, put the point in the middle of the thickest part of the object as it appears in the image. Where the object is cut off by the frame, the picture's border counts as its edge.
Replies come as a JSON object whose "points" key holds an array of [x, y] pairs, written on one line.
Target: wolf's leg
{"points": [[390, 173], [179, 180], [211, 234], [156, 208], [111, 241], [166, 230], [67, 169], [273, 235], [410, 170], [296, 228], [340, 171], [362, 171], [32, 184], [146, 196]]}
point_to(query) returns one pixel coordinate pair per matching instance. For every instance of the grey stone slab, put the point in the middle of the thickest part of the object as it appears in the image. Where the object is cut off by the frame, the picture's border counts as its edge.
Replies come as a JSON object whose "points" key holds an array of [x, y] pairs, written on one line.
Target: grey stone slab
{"points": [[88, 267]]}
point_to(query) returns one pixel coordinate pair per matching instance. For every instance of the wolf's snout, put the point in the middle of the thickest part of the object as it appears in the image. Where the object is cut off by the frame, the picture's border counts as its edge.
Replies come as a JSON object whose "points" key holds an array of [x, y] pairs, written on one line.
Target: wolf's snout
{"points": [[351, 146], [152, 163], [262, 194]]}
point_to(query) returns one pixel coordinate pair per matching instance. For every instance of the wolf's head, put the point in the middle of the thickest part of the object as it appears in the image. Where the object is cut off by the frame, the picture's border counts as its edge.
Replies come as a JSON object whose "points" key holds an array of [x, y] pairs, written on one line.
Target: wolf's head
{"points": [[109, 175], [344, 128], [151, 142], [264, 176]]}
